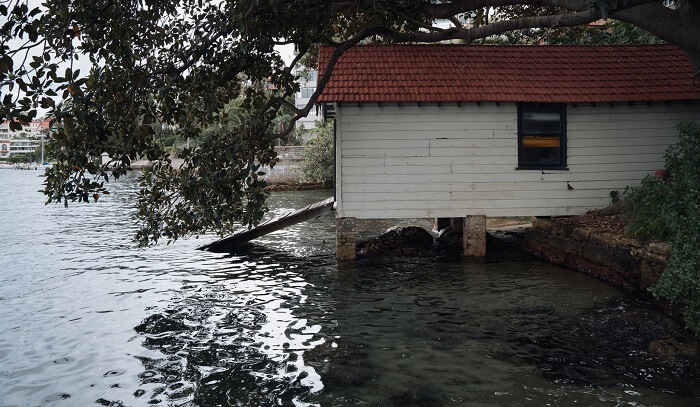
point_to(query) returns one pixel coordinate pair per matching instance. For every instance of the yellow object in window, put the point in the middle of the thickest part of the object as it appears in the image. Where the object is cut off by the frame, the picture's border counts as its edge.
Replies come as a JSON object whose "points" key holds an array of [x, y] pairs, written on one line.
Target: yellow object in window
{"points": [[535, 141]]}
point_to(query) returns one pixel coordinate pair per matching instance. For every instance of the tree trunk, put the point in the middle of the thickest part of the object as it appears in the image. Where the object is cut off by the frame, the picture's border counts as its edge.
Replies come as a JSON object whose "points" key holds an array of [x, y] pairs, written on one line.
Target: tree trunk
{"points": [[615, 209], [680, 27]]}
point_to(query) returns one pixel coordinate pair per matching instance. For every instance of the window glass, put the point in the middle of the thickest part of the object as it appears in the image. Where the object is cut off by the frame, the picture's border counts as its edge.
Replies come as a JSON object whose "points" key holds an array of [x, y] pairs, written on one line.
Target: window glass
{"points": [[541, 119], [542, 135]]}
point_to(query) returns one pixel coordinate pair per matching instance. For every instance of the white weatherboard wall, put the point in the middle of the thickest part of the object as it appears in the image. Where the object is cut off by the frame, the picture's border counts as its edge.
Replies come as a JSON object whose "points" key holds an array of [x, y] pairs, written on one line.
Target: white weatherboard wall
{"points": [[451, 161]]}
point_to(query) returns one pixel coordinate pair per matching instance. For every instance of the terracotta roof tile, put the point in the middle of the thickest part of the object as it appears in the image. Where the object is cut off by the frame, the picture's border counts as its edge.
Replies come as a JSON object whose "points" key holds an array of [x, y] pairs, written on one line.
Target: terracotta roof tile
{"points": [[505, 73]]}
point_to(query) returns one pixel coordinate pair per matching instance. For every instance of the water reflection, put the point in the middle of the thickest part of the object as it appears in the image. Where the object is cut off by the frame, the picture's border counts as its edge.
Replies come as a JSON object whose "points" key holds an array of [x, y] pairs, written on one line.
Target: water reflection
{"points": [[239, 340], [425, 334], [86, 318]]}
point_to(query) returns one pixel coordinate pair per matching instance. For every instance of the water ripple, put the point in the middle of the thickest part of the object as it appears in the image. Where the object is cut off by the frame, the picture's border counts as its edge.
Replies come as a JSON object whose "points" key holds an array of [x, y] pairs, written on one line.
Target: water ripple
{"points": [[86, 318]]}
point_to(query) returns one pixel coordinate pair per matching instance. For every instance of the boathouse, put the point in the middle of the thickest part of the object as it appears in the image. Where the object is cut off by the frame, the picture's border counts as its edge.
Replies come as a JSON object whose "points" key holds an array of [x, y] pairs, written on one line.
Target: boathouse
{"points": [[463, 131]]}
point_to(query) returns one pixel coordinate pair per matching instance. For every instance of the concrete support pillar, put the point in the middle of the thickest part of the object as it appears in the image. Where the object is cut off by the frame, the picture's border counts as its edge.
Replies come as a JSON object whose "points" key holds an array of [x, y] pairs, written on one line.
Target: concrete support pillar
{"points": [[474, 236], [345, 238]]}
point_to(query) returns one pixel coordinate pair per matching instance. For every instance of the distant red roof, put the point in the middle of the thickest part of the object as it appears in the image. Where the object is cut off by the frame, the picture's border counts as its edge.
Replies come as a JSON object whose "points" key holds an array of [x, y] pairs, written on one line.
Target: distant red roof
{"points": [[45, 123], [509, 73]]}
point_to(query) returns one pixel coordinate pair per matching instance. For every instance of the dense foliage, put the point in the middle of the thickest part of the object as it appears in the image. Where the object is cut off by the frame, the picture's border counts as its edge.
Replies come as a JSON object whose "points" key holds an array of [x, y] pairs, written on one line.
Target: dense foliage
{"points": [[112, 73], [317, 159], [670, 211]]}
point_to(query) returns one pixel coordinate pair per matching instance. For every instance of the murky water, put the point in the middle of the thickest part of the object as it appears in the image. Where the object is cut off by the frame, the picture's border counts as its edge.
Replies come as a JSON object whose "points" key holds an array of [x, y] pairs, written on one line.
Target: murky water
{"points": [[88, 319]]}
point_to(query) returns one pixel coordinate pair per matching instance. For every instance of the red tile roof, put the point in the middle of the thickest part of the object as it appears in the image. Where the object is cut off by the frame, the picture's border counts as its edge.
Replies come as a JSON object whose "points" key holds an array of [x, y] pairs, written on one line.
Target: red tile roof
{"points": [[509, 73]]}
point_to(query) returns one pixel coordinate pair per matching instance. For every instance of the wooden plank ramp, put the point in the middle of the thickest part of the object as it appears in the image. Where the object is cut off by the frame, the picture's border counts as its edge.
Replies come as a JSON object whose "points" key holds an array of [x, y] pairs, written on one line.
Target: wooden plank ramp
{"points": [[310, 211]]}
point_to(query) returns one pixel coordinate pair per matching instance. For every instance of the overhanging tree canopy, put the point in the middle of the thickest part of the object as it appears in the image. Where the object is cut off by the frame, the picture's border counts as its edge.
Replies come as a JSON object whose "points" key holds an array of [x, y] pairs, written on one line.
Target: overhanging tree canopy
{"points": [[177, 62]]}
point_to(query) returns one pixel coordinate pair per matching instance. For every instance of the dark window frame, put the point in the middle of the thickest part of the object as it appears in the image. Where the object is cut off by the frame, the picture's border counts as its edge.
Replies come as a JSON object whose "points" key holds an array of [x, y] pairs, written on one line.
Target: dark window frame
{"points": [[561, 165]]}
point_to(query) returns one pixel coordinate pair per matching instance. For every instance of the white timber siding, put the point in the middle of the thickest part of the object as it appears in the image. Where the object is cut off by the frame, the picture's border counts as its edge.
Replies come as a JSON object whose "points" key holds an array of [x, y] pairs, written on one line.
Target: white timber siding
{"points": [[427, 161]]}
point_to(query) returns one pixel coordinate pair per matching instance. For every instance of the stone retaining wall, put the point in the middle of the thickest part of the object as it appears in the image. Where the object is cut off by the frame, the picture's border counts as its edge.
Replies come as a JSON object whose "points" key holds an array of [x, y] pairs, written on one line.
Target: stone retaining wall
{"points": [[628, 263]]}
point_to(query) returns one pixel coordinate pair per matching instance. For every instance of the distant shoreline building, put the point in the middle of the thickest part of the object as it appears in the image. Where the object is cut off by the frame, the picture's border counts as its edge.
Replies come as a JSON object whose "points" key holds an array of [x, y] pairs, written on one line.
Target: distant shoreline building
{"points": [[22, 142], [307, 87]]}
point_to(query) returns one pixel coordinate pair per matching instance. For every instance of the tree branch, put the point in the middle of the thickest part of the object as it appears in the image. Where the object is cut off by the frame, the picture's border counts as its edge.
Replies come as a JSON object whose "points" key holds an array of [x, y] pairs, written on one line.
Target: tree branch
{"points": [[499, 27], [323, 80], [194, 55], [454, 20], [680, 27], [413, 21], [289, 105], [447, 10]]}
